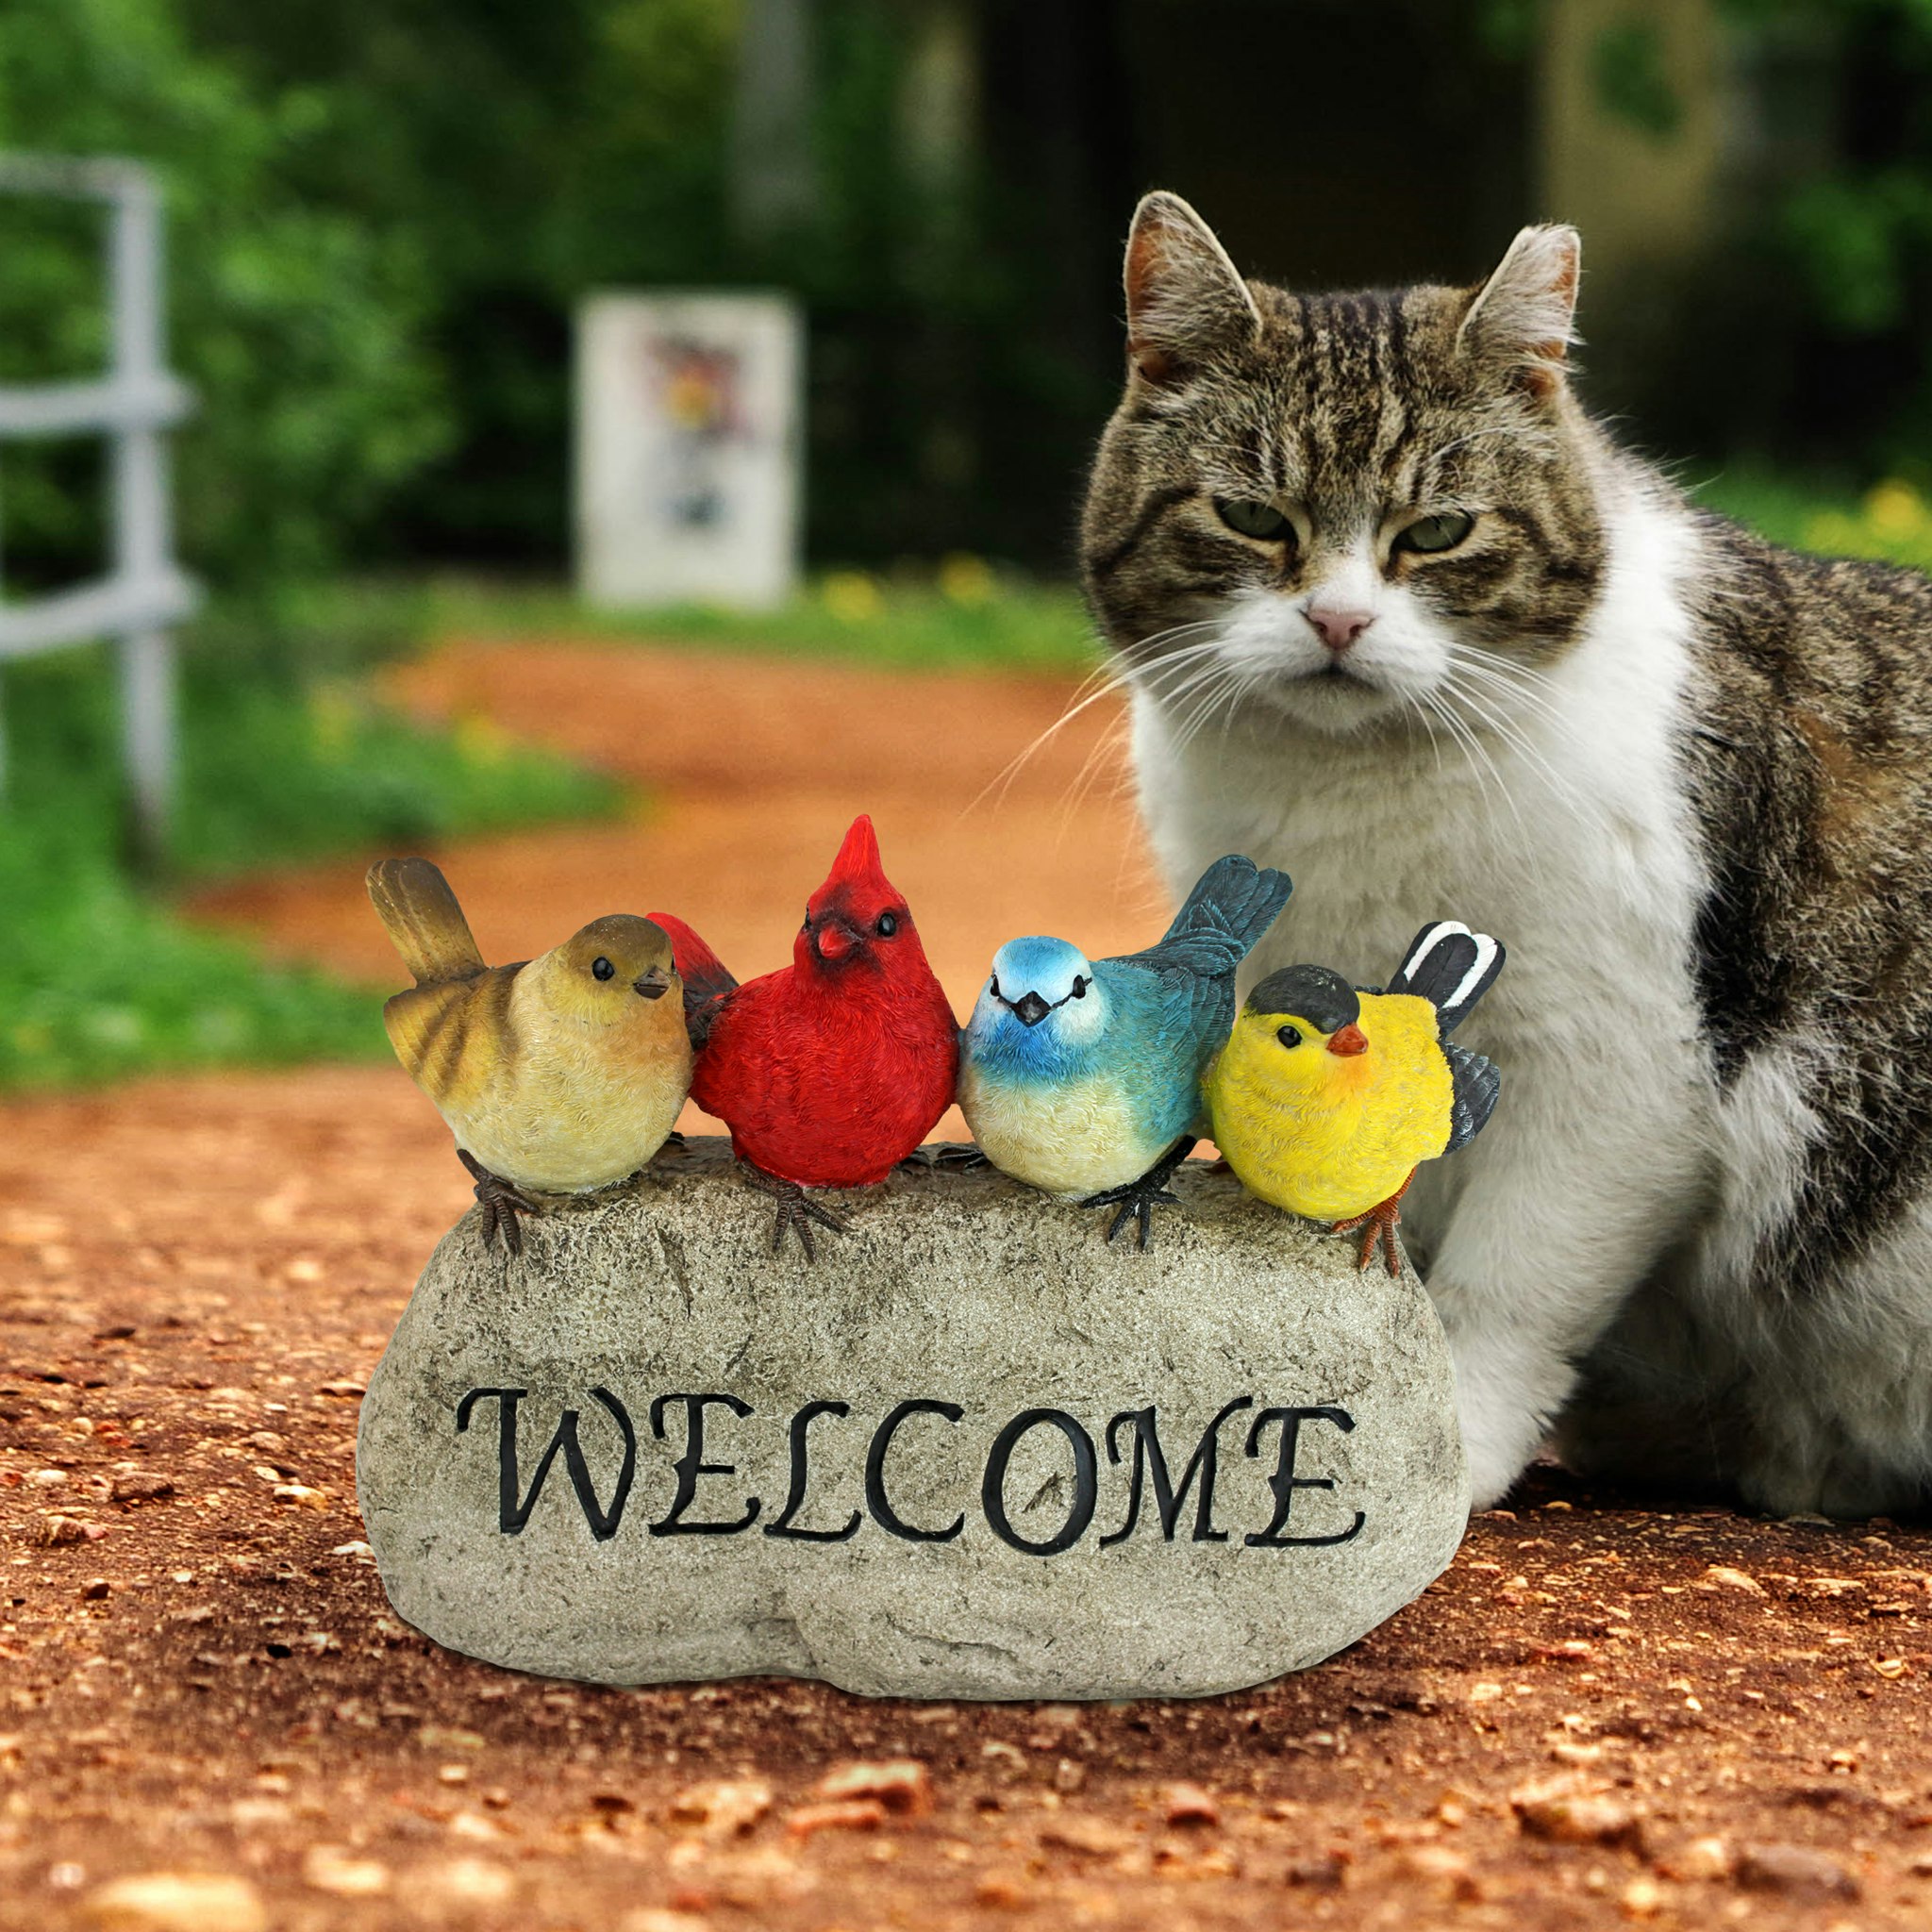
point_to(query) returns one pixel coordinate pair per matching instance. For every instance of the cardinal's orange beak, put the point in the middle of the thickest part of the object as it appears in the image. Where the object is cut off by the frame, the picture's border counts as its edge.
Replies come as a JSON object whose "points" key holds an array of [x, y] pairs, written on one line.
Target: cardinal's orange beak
{"points": [[1348, 1040], [833, 939]]}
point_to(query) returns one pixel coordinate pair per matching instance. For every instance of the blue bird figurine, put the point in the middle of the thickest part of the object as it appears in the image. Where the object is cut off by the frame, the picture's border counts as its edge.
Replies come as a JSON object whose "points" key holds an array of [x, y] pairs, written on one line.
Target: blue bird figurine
{"points": [[1083, 1078]]}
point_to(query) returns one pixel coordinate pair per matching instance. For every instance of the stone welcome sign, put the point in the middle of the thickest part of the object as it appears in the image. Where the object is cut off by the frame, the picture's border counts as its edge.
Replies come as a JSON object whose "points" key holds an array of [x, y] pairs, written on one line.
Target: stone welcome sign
{"points": [[973, 1453]]}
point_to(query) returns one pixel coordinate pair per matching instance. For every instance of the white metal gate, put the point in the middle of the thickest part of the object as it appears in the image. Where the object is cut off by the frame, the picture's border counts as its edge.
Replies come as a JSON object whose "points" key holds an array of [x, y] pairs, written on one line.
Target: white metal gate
{"points": [[133, 404]]}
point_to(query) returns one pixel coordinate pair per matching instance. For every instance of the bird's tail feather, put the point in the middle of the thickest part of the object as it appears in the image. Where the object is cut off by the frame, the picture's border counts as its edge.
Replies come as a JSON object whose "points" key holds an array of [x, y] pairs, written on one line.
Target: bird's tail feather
{"points": [[1232, 905], [415, 903], [1450, 967], [707, 978]]}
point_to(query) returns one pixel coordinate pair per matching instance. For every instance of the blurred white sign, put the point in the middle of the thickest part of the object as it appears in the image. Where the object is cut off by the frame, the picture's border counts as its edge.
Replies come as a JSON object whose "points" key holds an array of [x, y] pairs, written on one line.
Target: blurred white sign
{"points": [[688, 449]]}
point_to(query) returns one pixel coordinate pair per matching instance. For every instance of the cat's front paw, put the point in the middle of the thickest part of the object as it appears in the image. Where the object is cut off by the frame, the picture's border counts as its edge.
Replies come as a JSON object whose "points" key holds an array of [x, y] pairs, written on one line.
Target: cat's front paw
{"points": [[1498, 1444]]}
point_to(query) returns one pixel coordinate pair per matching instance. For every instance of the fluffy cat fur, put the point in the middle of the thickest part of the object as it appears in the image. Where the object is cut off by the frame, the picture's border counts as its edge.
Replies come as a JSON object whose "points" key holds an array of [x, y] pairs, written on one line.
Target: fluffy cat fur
{"points": [[1687, 776]]}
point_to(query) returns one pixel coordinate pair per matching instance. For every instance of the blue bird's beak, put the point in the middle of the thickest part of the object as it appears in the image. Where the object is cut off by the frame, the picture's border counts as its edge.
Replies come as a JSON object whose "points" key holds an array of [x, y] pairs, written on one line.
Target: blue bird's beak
{"points": [[1029, 1009]]}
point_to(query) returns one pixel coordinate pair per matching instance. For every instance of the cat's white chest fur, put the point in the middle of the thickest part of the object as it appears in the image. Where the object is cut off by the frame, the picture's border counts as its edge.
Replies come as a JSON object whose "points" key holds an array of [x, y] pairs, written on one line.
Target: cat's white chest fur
{"points": [[1571, 840]]}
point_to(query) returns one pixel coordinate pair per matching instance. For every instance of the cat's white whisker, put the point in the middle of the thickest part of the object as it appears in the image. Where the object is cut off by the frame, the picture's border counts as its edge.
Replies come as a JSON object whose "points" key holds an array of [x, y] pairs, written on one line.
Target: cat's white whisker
{"points": [[1107, 680]]}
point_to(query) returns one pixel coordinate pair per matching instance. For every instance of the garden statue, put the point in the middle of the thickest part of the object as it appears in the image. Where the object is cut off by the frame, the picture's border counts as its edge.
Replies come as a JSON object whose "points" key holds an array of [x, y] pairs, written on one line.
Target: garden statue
{"points": [[978, 1458], [833, 1070], [1326, 1097], [1084, 1079], [557, 1076]]}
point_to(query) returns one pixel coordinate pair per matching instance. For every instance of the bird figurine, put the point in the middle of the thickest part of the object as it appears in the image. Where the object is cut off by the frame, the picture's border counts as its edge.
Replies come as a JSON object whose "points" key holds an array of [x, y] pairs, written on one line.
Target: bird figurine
{"points": [[1327, 1097], [557, 1076], [1084, 1078], [831, 1070]]}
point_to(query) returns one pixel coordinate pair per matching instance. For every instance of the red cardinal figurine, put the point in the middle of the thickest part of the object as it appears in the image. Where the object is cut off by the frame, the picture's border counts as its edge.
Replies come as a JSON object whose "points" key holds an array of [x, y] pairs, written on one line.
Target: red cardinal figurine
{"points": [[832, 1071]]}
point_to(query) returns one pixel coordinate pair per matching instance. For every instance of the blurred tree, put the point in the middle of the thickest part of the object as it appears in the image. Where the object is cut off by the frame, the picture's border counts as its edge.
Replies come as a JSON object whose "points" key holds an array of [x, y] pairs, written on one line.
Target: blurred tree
{"points": [[518, 155], [1754, 182], [299, 325], [1841, 244], [898, 164]]}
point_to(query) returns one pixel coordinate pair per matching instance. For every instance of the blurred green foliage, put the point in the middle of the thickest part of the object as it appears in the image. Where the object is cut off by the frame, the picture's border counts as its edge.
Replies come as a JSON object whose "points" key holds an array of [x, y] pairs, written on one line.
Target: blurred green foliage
{"points": [[1628, 73], [302, 325], [383, 217], [1830, 295], [271, 775], [98, 980], [964, 616], [1891, 521]]}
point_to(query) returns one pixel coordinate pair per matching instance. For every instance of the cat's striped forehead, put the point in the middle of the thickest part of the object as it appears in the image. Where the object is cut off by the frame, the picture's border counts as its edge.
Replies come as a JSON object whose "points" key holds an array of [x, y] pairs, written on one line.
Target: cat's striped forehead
{"points": [[1347, 404], [1353, 416]]}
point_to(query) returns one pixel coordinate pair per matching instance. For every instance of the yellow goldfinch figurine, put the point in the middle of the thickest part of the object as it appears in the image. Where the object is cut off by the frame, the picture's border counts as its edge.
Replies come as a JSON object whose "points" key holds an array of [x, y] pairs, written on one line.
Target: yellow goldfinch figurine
{"points": [[562, 1075], [1326, 1097]]}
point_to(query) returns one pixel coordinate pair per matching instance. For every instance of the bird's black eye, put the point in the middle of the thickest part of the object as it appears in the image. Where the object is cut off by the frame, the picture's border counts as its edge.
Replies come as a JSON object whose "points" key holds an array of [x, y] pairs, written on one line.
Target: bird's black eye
{"points": [[992, 986], [887, 927], [1080, 987], [1260, 521], [1429, 535], [602, 969], [1288, 1036]]}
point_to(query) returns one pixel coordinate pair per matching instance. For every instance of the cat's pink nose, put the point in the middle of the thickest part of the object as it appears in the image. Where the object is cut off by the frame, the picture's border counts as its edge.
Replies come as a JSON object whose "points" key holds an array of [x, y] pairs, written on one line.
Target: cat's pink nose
{"points": [[1337, 627]]}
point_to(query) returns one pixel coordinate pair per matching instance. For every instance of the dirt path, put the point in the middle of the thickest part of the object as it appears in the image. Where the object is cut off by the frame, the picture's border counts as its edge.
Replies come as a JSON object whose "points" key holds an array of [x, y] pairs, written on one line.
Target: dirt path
{"points": [[754, 768], [198, 1674], [196, 1279]]}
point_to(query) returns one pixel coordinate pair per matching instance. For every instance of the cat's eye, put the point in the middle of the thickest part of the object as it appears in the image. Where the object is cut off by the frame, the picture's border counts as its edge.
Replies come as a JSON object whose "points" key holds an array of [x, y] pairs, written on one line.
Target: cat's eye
{"points": [[1260, 521], [1429, 535], [887, 925], [602, 969], [1288, 1036]]}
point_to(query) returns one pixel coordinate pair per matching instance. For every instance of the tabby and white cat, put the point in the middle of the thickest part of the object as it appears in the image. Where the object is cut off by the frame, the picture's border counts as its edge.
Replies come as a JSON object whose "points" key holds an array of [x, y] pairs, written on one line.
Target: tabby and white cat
{"points": [[1397, 616]]}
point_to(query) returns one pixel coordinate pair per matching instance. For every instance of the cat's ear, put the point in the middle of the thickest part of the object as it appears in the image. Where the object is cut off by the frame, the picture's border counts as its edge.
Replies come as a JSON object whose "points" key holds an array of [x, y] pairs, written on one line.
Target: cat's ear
{"points": [[1524, 317], [1185, 298]]}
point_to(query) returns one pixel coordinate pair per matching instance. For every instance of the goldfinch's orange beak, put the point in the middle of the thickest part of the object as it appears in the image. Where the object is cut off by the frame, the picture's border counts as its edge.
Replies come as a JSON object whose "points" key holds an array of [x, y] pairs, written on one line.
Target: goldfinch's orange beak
{"points": [[1348, 1040]]}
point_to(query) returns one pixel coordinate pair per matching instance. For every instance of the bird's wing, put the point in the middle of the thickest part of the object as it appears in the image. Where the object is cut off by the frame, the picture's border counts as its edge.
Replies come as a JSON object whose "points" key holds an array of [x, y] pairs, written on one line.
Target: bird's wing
{"points": [[414, 901], [1474, 1085], [454, 1039], [1450, 967], [1173, 1011], [1233, 902], [707, 983]]}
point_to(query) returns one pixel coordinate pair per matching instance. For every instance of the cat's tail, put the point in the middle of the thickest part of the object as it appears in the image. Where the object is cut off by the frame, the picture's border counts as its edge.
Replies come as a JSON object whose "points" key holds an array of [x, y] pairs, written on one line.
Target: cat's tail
{"points": [[1450, 967]]}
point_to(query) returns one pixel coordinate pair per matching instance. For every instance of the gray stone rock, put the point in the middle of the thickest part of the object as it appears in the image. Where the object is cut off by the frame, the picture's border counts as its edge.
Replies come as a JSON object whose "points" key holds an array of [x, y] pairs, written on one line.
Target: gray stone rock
{"points": [[661, 1363]]}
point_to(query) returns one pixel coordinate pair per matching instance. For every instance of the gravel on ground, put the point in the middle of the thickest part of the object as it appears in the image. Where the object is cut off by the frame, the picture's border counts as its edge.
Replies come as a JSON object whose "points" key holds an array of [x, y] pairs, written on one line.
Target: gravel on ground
{"points": [[1608, 1711], [1604, 1712]]}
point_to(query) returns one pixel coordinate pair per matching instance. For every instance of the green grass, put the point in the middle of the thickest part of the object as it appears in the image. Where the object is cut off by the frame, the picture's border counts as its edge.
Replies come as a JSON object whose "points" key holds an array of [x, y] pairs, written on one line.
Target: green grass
{"points": [[963, 617], [1890, 521], [98, 983], [98, 980]]}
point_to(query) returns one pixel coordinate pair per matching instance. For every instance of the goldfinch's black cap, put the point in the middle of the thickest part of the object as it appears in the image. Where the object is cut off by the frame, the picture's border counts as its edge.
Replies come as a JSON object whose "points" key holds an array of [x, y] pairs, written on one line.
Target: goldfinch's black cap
{"points": [[1324, 999]]}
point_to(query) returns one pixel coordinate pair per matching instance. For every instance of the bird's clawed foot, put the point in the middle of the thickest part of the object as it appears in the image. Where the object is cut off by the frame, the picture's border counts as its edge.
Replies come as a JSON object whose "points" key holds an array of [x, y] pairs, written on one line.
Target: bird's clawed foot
{"points": [[501, 1204], [797, 1211], [1378, 1230], [1137, 1200], [958, 1156]]}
